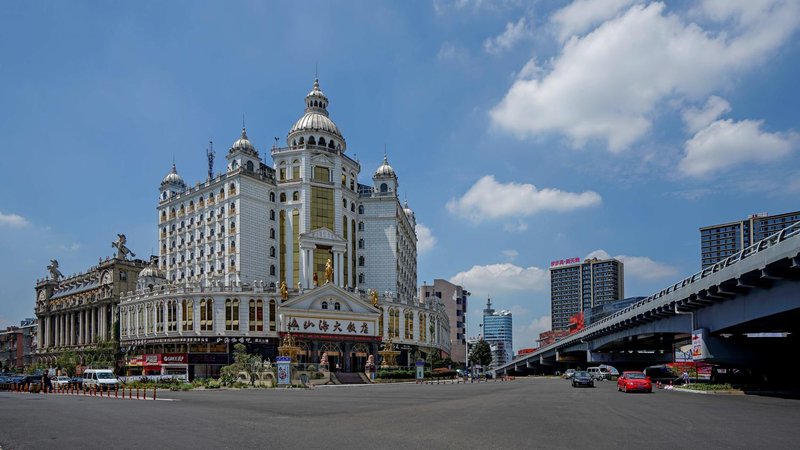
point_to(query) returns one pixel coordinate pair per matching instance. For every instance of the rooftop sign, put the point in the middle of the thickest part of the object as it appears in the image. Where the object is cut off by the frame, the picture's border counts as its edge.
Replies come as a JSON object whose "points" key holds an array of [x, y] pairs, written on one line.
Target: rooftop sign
{"points": [[563, 262]]}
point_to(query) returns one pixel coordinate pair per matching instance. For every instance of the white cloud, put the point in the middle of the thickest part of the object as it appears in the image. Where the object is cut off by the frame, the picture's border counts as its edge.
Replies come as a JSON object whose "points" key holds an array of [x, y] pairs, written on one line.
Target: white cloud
{"points": [[489, 199], [640, 267], [607, 84], [510, 254], [514, 33], [449, 52], [442, 7], [539, 325], [697, 119], [581, 15], [498, 279], [725, 143], [13, 220], [425, 238], [74, 247], [517, 227]]}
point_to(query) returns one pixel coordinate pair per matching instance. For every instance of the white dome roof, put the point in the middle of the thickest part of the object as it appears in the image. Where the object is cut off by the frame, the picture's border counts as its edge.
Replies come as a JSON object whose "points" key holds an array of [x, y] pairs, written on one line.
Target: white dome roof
{"points": [[244, 144], [385, 170], [314, 121], [152, 272], [173, 178], [409, 212]]}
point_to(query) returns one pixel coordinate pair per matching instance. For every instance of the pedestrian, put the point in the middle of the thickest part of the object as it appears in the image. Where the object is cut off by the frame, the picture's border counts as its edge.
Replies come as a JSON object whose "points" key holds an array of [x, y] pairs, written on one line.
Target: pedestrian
{"points": [[685, 377]]}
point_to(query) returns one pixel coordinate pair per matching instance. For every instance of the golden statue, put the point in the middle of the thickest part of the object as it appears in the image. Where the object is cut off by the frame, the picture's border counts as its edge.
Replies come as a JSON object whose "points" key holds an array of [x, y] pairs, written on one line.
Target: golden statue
{"points": [[328, 271], [284, 290], [374, 294]]}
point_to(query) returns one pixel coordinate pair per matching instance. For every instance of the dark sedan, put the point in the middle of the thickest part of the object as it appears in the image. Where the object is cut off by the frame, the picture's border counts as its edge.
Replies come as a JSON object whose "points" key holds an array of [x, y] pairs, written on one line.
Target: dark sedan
{"points": [[582, 378]]}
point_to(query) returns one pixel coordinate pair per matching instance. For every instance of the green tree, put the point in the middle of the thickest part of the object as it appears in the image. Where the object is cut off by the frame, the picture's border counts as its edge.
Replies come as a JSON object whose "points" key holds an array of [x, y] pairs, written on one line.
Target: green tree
{"points": [[242, 362], [67, 361], [102, 356], [481, 354]]}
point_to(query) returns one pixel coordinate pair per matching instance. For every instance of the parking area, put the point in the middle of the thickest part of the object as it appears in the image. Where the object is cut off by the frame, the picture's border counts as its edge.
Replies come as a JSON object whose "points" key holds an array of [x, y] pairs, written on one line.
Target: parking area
{"points": [[524, 413]]}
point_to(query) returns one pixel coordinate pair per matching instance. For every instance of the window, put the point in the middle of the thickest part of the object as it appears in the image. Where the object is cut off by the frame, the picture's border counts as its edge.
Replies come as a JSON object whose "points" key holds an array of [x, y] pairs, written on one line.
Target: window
{"points": [[232, 314], [361, 209], [409, 328], [172, 316], [361, 278], [361, 243], [272, 315], [272, 252], [296, 169], [272, 196], [384, 188], [256, 317], [187, 311], [295, 196], [322, 174], [271, 214], [361, 261], [337, 306], [272, 230], [422, 333], [272, 270], [360, 226], [207, 314], [352, 207], [159, 318], [324, 305], [394, 323], [283, 197]]}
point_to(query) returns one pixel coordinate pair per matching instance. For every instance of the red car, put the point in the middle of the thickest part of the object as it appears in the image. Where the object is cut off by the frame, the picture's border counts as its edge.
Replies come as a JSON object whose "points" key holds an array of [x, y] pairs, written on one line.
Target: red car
{"points": [[634, 381]]}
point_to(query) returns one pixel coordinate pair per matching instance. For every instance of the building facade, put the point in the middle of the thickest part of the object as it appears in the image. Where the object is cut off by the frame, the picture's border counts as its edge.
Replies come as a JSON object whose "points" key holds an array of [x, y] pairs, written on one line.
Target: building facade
{"points": [[577, 287], [718, 242], [497, 332], [79, 312], [18, 346], [298, 247], [454, 298]]}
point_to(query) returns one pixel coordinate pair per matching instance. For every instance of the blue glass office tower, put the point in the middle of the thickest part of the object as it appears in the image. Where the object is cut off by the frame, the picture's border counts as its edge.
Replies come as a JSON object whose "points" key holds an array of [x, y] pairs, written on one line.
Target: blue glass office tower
{"points": [[498, 334]]}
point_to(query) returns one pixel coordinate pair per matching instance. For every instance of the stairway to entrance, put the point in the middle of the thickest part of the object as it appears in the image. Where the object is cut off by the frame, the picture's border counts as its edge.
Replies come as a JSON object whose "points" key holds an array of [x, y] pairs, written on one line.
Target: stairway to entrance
{"points": [[350, 378]]}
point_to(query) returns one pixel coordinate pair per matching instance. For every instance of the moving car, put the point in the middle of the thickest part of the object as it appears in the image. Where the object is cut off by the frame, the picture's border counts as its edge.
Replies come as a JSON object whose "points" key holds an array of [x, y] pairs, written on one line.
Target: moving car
{"points": [[100, 379], [569, 373], [582, 378], [634, 381]]}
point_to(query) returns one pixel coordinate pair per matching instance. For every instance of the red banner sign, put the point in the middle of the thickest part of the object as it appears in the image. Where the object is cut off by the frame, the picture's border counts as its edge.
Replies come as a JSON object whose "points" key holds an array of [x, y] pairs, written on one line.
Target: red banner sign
{"points": [[563, 262]]}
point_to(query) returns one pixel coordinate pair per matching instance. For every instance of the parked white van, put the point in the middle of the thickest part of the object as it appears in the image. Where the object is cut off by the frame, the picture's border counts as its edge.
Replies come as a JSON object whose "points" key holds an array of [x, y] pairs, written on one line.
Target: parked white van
{"points": [[99, 378]]}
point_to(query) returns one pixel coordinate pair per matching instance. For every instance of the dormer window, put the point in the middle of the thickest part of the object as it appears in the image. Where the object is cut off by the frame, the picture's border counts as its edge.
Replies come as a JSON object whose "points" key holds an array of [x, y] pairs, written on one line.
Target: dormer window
{"points": [[324, 305]]}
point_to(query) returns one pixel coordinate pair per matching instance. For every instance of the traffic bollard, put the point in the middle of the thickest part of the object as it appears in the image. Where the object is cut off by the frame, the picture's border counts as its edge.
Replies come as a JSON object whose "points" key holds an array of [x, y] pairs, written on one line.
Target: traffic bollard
{"points": [[137, 393], [154, 393]]}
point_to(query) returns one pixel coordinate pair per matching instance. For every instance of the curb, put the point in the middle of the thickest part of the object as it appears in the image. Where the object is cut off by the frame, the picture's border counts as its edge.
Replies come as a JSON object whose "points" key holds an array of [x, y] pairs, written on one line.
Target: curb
{"points": [[694, 391]]}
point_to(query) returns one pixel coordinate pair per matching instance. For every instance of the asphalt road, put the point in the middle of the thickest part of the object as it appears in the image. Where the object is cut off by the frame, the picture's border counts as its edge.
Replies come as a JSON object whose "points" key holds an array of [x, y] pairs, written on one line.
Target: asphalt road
{"points": [[525, 413]]}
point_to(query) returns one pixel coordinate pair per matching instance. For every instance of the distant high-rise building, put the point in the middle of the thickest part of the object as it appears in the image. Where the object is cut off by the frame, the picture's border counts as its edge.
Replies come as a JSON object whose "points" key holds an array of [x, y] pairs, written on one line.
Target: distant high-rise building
{"points": [[497, 333], [454, 298], [717, 242], [579, 286]]}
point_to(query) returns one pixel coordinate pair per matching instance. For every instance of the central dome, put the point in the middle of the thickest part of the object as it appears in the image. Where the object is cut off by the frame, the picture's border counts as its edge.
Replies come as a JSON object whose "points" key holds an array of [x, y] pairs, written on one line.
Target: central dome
{"points": [[315, 127]]}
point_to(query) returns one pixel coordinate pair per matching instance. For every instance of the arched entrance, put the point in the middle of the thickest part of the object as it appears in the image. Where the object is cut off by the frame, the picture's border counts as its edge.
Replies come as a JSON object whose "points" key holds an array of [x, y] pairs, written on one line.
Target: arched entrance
{"points": [[334, 356], [358, 357]]}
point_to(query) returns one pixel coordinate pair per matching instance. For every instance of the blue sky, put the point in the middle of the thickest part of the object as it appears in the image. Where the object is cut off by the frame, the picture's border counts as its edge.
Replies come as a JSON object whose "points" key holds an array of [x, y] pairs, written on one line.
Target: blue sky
{"points": [[522, 132]]}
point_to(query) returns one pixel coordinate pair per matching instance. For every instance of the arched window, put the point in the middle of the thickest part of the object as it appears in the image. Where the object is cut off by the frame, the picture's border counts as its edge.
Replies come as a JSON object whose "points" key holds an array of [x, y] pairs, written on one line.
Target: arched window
{"points": [[337, 306], [360, 226], [384, 188], [272, 315], [324, 305], [272, 196], [187, 313], [272, 270], [232, 315], [272, 252], [352, 207], [322, 142], [296, 196], [409, 316], [361, 261], [249, 166], [256, 316], [271, 214], [296, 169], [283, 197], [361, 243], [344, 203], [272, 230], [207, 313], [330, 144], [361, 209], [301, 141], [312, 141], [361, 278]]}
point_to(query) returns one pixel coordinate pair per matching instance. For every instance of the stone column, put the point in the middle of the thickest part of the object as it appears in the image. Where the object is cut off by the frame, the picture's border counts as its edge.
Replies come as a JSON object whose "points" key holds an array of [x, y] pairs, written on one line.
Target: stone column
{"points": [[58, 330], [91, 325], [179, 315], [310, 269], [348, 347], [70, 327], [81, 332], [303, 269]]}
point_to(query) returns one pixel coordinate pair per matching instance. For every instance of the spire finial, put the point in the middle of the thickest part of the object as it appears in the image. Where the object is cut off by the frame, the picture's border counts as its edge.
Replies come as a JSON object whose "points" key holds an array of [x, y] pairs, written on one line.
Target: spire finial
{"points": [[174, 169]]}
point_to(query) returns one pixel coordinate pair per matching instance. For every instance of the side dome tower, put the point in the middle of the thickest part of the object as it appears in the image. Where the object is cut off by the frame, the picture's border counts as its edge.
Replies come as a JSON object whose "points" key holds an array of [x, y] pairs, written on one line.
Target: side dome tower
{"points": [[172, 184], [385, 179]]}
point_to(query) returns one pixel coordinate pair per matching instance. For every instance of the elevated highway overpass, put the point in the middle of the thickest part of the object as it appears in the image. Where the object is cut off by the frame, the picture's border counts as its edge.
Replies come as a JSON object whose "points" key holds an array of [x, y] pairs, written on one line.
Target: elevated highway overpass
{"points": [[745, 310]]}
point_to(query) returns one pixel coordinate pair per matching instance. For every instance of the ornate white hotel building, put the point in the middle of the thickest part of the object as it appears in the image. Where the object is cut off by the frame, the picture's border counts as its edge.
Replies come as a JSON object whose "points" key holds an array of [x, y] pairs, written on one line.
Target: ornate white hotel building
{"points": [[228, 244]]}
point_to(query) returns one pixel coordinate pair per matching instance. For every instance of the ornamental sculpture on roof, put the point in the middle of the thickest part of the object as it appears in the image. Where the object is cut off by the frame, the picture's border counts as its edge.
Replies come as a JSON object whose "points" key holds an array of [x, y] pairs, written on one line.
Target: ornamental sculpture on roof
{"points": [[55, 274], [122, 250]]}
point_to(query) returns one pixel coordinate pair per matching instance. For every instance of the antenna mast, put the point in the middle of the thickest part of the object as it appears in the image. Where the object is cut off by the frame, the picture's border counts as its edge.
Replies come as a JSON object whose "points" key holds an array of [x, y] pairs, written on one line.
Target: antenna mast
{"points": [[210, 156]]}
